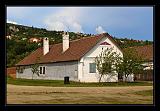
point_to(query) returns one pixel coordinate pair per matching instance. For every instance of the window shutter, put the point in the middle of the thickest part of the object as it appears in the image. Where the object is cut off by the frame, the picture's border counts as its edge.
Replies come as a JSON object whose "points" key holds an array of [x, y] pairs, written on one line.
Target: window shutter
{"points": [[40, 70], [43, 70]]}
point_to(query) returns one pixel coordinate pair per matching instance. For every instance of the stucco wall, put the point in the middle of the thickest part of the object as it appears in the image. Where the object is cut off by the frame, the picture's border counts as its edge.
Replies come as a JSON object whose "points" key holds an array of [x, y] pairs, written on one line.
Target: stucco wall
{"points": [[86, 76], [97, 49], [54, 71], [130, 78]]}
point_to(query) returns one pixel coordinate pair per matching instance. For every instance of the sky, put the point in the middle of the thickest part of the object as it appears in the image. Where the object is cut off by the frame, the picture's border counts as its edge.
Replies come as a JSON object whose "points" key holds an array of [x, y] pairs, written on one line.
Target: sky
{"points": [[120, 22]]}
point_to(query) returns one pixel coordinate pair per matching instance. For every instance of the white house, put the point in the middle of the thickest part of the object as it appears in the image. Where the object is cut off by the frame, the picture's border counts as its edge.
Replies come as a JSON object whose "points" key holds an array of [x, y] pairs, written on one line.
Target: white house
{"points": [[34, 40], [75, 59]]}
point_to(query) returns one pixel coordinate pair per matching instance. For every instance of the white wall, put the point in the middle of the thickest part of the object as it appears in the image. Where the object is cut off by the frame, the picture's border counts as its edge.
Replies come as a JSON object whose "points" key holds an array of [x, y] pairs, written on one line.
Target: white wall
{"points": [[54, 71], [149, 65], [83, 65], [130, 78]]}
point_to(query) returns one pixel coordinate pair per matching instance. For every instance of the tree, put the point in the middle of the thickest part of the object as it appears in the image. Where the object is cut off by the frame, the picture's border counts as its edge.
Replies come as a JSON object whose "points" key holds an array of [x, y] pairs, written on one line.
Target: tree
{"points": [[130, 63], [35, 67], [105, 63]]}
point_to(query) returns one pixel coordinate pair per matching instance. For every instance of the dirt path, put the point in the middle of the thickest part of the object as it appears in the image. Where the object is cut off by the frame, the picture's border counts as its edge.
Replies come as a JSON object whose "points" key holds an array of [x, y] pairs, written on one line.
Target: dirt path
{"points": [[44, 95]]}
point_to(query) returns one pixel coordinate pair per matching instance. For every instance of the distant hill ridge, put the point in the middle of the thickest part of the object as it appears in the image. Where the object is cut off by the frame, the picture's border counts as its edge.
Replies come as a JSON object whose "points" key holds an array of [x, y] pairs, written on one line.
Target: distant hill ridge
{"points": [[19, 45], [19, 32]]}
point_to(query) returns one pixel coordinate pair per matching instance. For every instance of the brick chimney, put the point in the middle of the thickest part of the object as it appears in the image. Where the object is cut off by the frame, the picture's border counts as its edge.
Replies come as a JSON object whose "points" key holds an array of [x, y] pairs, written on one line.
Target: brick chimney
{"points": [[65, 41], [45, 45]]}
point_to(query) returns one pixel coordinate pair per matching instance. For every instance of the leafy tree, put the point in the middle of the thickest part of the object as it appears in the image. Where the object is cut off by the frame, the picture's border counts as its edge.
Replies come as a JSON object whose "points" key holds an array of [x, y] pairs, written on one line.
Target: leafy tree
{"points": [[110, 63], [35, 67], [105, 63], [130, 63]]}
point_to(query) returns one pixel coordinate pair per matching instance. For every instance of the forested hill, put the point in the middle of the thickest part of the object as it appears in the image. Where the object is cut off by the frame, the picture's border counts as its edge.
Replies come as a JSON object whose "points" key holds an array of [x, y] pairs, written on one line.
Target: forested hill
{"points": [[19, 42]]}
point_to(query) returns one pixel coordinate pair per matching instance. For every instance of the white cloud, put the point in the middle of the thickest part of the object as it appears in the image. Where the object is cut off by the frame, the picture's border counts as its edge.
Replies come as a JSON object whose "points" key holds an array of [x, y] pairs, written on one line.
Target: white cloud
{"points": [[12, 22], [77, 27], [57, 25], [99, 30], [65, 19]]}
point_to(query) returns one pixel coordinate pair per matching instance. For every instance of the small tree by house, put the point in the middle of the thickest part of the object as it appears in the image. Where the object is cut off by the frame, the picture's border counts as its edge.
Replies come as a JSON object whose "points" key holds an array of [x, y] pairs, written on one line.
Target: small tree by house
{"points": [[109, 62], [35, 68], [105, 63], [130, 63]]}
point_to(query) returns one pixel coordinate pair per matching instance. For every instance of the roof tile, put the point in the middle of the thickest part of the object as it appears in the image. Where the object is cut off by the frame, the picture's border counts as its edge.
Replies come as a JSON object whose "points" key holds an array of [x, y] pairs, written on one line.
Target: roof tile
{"points": [[146, 52], [76, 50]]}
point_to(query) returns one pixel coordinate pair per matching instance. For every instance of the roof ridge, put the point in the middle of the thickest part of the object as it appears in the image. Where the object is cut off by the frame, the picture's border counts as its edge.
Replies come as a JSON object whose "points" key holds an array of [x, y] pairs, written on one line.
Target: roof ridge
{"points": [[88, 37], [140, 46]]}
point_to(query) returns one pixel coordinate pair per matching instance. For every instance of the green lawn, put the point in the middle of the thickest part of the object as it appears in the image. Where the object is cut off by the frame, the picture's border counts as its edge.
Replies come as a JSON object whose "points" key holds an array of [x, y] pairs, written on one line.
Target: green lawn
{"points": [[60, 83]]}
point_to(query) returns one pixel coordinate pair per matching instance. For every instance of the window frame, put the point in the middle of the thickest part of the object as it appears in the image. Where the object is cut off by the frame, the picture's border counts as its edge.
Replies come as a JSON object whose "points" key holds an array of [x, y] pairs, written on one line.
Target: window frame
{"points": [[20, 69], [42, 70], [92, 70]]}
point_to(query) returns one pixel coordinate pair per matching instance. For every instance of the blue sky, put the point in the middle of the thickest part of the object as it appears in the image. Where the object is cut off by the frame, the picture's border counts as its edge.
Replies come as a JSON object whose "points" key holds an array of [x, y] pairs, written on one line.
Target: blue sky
{"points": [[121, 22]]}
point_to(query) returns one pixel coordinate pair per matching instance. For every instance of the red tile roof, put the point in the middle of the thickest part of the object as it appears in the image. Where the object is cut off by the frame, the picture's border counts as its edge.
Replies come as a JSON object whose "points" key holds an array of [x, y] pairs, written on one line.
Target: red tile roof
{"points": [[146, 52], [77, 49]]}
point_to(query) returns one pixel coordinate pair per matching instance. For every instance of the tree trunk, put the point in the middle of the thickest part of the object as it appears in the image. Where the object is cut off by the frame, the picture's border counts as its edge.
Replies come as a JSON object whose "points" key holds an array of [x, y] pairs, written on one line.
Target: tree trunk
{"points": [[126, 76], [100, 78], [32, 76]]}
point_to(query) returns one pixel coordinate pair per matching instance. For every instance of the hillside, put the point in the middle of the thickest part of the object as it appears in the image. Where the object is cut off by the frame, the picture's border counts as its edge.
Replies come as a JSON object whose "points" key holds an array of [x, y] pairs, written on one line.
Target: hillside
{"points": [[20, 40]]}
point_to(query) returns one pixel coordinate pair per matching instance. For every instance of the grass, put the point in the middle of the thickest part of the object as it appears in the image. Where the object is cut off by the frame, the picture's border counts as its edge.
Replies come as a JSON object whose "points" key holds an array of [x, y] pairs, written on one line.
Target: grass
{"points": [[60, 83], [144, 93]]}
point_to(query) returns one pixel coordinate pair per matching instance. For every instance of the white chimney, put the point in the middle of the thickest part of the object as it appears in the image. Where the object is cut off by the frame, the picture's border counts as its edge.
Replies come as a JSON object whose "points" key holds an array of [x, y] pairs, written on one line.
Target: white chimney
{"points": [[65, 41], [45, 46]]}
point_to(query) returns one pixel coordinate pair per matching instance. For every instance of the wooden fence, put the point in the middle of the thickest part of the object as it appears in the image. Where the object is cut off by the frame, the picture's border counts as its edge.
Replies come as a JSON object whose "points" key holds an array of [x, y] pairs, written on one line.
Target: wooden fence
{"points": [[147, 75]]}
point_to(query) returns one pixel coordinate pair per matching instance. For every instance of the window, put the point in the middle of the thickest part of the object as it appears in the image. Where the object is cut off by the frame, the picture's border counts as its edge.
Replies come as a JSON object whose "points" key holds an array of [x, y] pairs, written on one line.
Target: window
{"points": [[92, 67], [42, 70], [20, 69]]}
